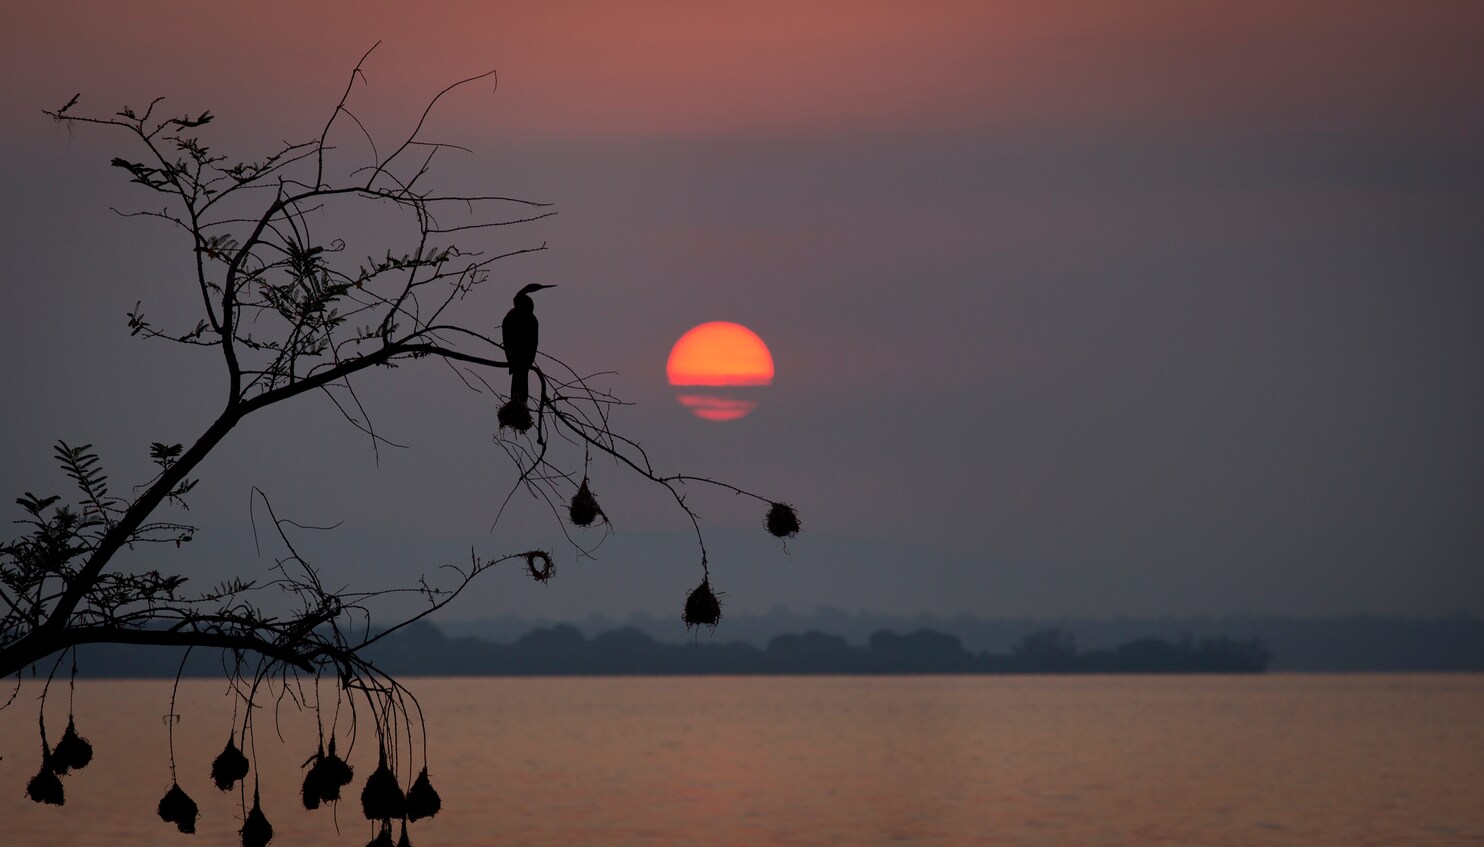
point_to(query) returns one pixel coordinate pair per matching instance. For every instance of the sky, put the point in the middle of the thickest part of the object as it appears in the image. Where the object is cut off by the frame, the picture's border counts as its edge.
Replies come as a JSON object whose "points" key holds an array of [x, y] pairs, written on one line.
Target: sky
{"points": [[1077, 309]]}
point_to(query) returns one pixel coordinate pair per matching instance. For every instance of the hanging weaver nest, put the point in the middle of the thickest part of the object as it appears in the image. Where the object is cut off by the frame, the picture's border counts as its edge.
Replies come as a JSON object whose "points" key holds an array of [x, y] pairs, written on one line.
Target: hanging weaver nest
{"points": [[404, 841], [73, 752], [256, 831], [384, 837], [584, 509], [44, 787], [514, 415], [783, 521], [422, 800], [382, 798], [229, 766], [543, 571], [328, 773], [701, 606], [178, 808]]}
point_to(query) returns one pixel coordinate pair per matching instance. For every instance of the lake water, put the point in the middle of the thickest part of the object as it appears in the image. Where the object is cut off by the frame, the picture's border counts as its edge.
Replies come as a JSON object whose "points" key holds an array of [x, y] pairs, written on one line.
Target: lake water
{"points": [[1264, 760]]}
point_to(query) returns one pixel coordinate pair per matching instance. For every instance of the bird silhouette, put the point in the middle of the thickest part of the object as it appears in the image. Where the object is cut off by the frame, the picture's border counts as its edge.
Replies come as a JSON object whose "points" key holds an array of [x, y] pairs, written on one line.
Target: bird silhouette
{"points": [[521, 331]]}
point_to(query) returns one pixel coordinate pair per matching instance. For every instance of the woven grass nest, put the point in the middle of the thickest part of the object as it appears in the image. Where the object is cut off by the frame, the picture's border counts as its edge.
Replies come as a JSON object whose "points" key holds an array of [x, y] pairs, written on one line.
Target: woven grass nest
{"points": [[229, 766], [543, 571], [422, 799], [382, 797], [256, 831], [44, 787], [327, 774], [514, 415], [702, 608], [384, 836], [584, 508], [178, 808], [73, 752], [782, 520]]}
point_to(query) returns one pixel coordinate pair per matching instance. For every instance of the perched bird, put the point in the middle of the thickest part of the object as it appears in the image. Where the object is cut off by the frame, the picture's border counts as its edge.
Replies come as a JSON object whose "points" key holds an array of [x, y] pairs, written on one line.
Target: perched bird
{"points": [[521, 331]]}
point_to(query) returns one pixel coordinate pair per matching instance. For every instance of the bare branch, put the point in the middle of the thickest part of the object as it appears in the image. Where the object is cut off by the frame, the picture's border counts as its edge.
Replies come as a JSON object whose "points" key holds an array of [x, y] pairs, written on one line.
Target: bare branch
{"points": [[293, 311]]}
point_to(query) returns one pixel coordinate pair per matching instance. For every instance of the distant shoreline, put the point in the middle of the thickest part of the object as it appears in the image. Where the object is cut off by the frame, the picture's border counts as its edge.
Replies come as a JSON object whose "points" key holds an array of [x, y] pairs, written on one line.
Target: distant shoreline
{"points": [[562, 650], [1364, 643], [960, 645]]}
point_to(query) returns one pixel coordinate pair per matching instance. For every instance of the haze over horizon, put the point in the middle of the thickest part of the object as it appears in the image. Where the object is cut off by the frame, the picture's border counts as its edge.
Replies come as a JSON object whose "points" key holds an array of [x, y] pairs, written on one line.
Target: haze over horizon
{"points": [[1076, 310]]}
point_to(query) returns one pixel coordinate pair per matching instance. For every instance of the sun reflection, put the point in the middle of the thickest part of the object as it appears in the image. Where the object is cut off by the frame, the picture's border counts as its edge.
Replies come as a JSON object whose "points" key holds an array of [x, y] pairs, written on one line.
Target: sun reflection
{"points": [[713, 408]]}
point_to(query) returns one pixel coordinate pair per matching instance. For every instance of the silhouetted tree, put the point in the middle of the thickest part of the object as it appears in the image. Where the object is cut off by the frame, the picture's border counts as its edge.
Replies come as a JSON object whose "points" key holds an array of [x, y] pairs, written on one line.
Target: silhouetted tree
{"points": [[291, 315], [1047, 651]]}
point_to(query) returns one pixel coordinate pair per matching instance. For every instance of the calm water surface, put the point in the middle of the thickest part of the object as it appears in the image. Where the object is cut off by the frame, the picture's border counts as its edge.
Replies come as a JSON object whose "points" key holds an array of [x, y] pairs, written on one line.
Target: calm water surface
{"points": [[1276, 759]]}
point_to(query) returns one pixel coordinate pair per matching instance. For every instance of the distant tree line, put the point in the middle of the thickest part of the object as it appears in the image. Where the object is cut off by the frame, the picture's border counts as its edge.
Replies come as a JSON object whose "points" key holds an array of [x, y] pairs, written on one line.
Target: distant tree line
{"points": [[1349, 643], [562, 650]]}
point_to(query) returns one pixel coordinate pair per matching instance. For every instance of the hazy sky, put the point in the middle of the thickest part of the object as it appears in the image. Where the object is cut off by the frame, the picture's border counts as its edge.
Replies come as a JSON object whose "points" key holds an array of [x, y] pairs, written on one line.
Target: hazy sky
{"points": [[1087, 309]]}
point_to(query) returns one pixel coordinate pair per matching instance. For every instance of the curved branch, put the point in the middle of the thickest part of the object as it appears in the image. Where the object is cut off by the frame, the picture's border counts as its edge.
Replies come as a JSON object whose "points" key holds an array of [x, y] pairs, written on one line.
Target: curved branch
{"points": [[74, 636]]}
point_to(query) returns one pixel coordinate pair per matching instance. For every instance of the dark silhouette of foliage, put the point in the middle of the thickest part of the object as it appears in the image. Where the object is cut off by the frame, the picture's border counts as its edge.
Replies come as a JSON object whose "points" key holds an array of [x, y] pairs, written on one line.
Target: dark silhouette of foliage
{"points": [[1050, 650], [293, 314]]}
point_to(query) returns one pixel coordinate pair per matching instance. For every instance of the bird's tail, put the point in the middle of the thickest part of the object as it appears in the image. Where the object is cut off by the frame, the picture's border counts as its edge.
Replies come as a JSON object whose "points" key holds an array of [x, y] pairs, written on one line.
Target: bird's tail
{"points": [[520, 384]]}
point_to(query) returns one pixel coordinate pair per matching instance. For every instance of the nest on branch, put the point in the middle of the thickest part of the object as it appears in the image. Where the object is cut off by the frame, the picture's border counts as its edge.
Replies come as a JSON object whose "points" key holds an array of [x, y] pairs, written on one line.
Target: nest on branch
{"points": [[327, 774], [382, 797], [178, 808], [514, 415], [44, 787], [543, 571], [702, 608], [584, 509], [73, 752], [422, 799], [256, 831], [782, 520], [384, 837], [229, 766]]}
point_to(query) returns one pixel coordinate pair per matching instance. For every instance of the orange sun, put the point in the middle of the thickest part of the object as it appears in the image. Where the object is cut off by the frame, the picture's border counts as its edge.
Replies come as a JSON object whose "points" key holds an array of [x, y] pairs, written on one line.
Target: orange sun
{"points": [[719, 355]]}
